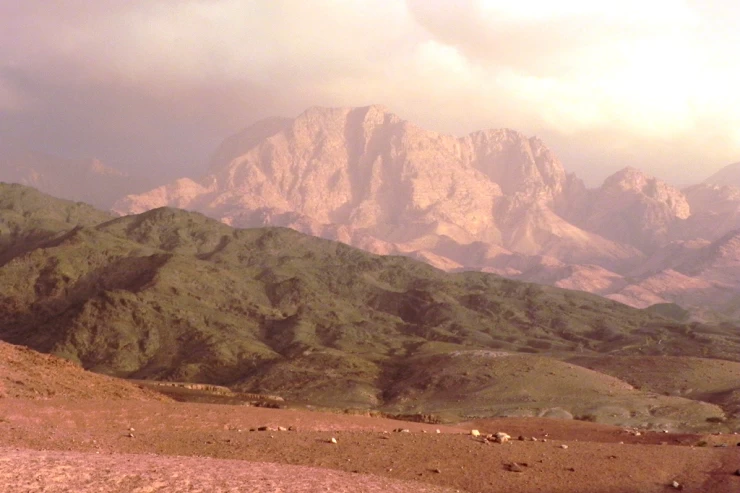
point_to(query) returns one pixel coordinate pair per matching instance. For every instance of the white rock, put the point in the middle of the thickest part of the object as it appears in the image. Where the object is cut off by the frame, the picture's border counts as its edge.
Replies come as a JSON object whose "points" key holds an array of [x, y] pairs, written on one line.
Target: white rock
{"points": [[501, 437]]}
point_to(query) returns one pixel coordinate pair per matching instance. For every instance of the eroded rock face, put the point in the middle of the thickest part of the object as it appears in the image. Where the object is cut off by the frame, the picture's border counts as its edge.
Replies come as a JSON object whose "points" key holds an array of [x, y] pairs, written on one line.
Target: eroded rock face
{"points": [[366, 177], [493, 200], [634, 208]]}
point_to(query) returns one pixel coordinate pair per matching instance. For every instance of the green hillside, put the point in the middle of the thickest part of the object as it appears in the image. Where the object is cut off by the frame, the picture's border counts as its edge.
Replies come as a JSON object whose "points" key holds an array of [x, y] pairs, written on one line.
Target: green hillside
{"points": [[170, 294]]}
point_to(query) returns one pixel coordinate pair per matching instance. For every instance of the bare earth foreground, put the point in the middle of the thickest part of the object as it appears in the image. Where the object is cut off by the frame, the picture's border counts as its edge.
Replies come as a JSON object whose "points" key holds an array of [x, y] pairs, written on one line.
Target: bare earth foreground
{"points": [[63, 429], [60, 445]]}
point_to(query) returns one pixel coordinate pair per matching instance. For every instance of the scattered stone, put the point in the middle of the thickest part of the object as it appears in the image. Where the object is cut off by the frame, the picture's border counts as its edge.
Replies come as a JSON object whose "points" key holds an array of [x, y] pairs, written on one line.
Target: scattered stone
{"points": [[475, 433], [131, 429], [564, 447], [572, 469], [438, 471], [333, 440], [402, 430], [515, 467], [131, 435], [737, 473], [501, 437], [263, 428], [521, 438], [676, 485], [534, 439], [291, 428], [437, 431], [282, 428]]}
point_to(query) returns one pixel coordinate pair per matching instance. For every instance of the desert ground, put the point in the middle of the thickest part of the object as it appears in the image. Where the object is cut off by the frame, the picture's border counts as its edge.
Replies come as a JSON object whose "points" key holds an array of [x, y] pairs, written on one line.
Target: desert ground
{"points": [[63, 429], [126, 445]]}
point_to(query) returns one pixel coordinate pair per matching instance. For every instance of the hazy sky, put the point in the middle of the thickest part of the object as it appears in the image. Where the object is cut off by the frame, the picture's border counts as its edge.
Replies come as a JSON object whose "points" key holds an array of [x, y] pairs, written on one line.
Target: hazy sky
{"points": [[156, 84]]}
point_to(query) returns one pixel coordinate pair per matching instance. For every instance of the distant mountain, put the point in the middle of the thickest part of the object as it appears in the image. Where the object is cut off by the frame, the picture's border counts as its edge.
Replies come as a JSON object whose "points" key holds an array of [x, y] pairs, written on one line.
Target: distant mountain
{"points": [[367, 177], [88, 181], [729, 175], [169, 294], [493, 200], [634, 208]]}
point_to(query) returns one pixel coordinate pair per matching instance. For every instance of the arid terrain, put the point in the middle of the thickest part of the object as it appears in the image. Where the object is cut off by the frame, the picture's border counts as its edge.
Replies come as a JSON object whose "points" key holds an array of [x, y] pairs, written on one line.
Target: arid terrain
{"points": [[171, 295], [494, 200], [251, 351], [63, 429], [369, 246]]}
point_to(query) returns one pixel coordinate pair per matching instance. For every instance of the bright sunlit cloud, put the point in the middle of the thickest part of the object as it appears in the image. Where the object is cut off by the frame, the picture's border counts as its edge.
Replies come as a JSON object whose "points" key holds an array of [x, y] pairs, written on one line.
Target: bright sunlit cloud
{"points": [[648, 83]]}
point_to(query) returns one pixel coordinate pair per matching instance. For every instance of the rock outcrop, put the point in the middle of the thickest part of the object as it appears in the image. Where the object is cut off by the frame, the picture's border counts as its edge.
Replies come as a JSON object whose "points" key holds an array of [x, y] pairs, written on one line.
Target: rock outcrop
{"points": [[635, 209], [493, 200], [366, 177]]}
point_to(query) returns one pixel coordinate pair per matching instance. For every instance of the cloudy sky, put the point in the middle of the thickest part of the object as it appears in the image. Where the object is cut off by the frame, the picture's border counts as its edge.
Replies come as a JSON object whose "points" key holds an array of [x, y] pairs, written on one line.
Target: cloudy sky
{"points": [[155, 85]]}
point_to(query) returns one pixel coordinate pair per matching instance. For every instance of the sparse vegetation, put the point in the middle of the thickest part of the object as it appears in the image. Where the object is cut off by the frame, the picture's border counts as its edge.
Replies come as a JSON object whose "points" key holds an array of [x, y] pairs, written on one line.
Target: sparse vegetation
{"points": [[173, 295]]}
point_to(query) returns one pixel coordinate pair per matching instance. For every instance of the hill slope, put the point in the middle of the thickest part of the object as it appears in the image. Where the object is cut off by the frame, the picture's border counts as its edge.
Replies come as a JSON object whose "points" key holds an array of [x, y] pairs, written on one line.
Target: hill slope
{"points": [[493, 200], [170, 294], [26, 374]]}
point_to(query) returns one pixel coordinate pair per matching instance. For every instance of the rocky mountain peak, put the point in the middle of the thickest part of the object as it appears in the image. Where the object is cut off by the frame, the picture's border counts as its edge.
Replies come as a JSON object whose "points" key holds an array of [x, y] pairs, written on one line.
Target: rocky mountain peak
{"points": [[628, 178], [366, 176], [729, 175], [98, 167], [632, 181], [518, 164]]}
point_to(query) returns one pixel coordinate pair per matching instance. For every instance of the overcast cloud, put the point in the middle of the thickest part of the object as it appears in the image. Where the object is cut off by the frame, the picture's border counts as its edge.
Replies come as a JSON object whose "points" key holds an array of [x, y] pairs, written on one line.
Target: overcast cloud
{"points": [[158, 83]]}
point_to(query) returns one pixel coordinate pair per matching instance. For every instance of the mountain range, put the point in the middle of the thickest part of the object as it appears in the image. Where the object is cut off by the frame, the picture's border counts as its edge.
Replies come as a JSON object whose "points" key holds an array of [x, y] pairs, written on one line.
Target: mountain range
{"points": [[173, 295], [86, 180], [494, 201]]}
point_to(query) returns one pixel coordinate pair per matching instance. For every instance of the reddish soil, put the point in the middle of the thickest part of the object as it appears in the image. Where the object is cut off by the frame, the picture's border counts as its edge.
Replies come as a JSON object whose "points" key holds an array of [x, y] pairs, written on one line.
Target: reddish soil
{"points": [[175, 444], [81, 440]]}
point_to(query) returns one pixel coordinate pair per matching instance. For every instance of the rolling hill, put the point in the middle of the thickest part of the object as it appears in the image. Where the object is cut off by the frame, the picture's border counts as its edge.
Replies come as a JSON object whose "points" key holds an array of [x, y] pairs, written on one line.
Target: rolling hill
{"points": [[174, 295], [493, 200]]}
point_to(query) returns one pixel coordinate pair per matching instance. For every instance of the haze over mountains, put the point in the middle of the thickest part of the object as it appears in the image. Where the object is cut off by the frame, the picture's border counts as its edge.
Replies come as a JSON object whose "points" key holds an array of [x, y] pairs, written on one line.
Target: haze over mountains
{"points": [[493, 200], [89, 181], [174, 295]]}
